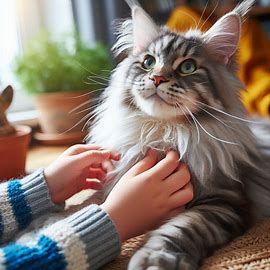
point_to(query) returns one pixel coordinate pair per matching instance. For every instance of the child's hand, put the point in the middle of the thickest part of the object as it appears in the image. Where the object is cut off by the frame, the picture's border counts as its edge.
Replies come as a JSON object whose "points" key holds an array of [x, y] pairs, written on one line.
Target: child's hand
{"points": [[68, 174], [148, 193]]}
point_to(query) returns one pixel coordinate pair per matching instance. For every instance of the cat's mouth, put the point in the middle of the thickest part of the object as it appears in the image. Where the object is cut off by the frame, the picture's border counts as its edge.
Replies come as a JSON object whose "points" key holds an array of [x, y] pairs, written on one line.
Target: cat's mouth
{"points": [[158, 98]]}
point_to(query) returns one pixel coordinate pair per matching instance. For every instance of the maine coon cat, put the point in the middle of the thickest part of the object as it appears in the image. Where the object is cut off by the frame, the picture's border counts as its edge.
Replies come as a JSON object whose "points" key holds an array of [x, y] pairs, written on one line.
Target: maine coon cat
{"points": [[180, 91]]}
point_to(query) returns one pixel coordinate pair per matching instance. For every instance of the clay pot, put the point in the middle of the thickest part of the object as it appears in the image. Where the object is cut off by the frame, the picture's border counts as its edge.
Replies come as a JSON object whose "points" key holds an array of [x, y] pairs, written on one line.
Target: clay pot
{"points": [[57, 112], [13, 152]]}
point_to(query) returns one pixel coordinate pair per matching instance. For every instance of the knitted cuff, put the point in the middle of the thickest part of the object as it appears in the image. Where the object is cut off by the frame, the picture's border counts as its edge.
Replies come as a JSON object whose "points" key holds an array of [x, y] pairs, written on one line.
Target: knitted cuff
{"points": [[99, 234], [37, 195]]}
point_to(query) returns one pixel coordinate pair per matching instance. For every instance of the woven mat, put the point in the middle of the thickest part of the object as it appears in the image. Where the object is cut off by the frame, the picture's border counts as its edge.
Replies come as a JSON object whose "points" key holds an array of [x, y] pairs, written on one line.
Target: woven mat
{"points": [[248, 252]]}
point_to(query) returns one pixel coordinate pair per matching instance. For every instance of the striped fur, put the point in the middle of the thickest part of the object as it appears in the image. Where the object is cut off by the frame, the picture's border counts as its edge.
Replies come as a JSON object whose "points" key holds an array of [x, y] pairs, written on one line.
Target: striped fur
{"points": [[200, 116]]}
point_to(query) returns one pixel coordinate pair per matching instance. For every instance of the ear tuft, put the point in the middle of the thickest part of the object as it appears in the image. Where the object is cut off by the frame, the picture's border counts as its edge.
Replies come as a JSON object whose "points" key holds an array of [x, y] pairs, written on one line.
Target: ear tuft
{"points": [[223, 37], [243, 8]]}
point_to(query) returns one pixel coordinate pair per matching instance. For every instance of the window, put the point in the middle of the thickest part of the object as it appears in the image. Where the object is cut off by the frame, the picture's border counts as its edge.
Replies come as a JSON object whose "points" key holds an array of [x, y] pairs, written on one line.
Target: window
{"points": [[19, 21]]}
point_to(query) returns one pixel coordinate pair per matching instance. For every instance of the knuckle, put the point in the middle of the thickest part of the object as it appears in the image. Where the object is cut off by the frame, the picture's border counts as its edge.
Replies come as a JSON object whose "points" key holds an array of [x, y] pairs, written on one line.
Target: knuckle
{"points": [[143, 162], [75, 148], [190, 192], [186, 172], [173, 160]]}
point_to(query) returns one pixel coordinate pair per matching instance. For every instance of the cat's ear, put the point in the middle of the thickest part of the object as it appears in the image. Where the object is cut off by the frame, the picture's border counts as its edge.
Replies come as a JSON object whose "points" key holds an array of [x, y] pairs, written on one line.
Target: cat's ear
{"points": [[135, 34], [223, 37], [145, 30], [7, 95]]}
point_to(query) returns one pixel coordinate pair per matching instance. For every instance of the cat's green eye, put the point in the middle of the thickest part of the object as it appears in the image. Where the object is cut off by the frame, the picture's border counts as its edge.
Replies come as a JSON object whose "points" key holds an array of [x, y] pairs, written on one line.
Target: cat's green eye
{"points": [[187, 67], [149, 62]]}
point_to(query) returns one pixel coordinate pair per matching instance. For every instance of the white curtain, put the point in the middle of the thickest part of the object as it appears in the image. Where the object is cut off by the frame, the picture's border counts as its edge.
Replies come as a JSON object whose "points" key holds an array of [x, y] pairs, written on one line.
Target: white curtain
{"points": [[20, 20]]}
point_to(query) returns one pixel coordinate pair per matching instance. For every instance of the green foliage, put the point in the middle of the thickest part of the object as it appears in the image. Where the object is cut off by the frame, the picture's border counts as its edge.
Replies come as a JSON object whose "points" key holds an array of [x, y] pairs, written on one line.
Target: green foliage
{"points": [[64, 65]]}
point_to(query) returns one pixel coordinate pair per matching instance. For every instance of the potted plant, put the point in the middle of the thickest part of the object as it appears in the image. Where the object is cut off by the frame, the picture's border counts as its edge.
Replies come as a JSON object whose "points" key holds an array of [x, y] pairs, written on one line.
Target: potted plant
{"points": [[14, 141], [57, 73]]}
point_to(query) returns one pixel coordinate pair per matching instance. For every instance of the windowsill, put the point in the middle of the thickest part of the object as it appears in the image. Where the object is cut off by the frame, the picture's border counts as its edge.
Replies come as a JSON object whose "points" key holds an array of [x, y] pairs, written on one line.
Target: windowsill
{"points": [[29, 118]]}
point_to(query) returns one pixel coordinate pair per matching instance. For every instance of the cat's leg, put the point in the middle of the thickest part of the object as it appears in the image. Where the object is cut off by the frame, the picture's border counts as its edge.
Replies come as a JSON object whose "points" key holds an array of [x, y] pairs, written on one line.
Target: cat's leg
{"points": [[186, 239]]}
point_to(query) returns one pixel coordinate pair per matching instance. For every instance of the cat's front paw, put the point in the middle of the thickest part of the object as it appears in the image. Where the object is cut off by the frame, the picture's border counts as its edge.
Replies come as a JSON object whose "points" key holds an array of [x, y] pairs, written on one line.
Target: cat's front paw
{"points": [[147, 259]]}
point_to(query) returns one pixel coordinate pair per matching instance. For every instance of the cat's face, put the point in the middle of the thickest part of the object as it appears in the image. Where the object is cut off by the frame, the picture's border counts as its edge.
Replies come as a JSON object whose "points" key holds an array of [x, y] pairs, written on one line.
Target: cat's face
{"points": [[169, 77], [174, 74]]}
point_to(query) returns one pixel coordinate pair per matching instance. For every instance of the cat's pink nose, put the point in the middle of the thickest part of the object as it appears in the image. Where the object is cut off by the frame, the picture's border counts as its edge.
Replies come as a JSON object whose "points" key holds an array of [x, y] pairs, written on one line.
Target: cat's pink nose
{"points": [[158, 80]]}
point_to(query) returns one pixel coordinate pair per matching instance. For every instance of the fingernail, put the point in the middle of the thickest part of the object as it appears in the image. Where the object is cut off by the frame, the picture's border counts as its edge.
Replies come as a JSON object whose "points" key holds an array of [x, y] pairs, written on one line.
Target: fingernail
{"points": [[117, 156]]}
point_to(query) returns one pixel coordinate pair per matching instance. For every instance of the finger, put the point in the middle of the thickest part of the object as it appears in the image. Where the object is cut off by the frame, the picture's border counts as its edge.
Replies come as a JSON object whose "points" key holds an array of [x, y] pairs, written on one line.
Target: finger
{"points": [[178, 179], [107, 166], [97, 173], [92, 157], [93, 184], [115, 156], [145, 164], [182, 197], [164, 167], [80, 148]]}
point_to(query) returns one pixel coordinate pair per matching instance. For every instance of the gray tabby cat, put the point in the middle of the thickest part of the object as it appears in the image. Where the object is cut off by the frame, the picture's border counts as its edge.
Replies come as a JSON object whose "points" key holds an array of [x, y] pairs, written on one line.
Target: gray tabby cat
{"points": [[180, 91]]}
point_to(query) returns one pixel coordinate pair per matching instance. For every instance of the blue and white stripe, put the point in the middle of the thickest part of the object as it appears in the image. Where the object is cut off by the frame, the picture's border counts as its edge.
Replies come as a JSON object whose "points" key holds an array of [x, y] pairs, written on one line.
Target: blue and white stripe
{"points": [[85, 240], [70, 245], [8, 220]]}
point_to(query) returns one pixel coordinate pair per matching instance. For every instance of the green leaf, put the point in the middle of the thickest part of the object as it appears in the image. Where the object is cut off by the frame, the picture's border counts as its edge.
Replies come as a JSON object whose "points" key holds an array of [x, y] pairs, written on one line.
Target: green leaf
{"points": [[63, 65]]}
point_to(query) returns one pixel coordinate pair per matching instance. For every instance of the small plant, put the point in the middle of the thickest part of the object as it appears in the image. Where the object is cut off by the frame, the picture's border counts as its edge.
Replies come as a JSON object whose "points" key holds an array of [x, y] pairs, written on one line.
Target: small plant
{"points": [[64, 65]]}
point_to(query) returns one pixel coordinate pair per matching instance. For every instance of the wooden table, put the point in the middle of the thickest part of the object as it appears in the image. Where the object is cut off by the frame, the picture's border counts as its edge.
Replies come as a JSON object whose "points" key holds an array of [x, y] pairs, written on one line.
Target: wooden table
{"points": [[41, 156]]}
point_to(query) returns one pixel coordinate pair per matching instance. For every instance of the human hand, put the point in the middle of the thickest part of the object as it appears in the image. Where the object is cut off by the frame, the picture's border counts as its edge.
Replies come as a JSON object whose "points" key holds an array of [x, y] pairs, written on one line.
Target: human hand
{"points": [[68, 174], [148, 193]]}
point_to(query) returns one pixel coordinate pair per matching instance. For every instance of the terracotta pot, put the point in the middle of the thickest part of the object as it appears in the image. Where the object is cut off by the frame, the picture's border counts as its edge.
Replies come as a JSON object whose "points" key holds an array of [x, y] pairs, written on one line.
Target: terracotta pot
{"points": [[58, 113], [13, 152]]}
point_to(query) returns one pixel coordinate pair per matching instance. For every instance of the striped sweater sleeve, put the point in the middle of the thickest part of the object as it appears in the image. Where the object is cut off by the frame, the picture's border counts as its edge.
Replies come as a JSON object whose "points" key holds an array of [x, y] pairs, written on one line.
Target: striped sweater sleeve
{"points": [[86, 240], [21, 201]]}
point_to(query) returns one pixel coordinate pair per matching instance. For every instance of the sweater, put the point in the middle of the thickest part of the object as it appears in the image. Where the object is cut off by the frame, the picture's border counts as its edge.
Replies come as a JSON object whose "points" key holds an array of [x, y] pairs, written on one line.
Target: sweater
{"points": [[85, 240]]}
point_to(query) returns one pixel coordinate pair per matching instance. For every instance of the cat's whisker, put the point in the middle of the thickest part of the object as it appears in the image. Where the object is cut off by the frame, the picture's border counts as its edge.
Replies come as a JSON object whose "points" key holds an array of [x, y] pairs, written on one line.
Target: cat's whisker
{"points": [[92, 81], [98, 78], [91, 72], [205, 7], [87, 109], [81, 121], [207, 132], [94, 114], [178, 105], [195, 122], [228, 114], [81, 105], [193, 19], [213, 11], [219, 120], [79, 96], [215, 117]]}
